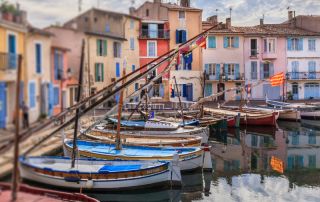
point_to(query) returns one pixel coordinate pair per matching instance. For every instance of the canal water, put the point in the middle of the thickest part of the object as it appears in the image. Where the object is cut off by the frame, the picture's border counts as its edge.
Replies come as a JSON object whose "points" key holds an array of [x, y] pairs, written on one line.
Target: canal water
{"points": [[241, 162]]}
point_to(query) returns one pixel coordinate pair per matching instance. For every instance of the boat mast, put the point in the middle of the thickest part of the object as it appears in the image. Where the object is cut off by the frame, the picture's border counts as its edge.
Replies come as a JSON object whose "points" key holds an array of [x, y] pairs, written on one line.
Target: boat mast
{"points": [[120, 108], [78, 109], [15, 173], [204, 84], [179, 100], [147, 91]]}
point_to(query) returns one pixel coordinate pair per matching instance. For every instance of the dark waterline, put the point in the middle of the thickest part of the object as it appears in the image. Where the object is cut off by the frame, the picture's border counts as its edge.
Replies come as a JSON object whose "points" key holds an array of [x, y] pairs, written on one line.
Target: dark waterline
{"points": [[240, 159]]}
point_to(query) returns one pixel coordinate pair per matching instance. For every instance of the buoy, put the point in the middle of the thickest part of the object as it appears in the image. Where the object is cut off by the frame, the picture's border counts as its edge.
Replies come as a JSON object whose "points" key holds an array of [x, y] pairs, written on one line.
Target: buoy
{"points": [[207, 164], [89, 183]]}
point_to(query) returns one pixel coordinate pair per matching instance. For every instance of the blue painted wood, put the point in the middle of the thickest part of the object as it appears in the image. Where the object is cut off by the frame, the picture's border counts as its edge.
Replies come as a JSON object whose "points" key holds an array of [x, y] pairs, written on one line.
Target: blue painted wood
{"points": [[184, 90], [177, 37], [311, 90], [190, 92], [239, 97], [261, 71], [131, 43], [50, 99], [225, 42], [295, 95], [226, 70], [61, 63], [161, 90], [38, 58], [236, 42], [32, 95], [120, 52], [107, 27], [301, 44], [133, 68], [3, 106], [273, 93], [312, 69], [211, 42], [289, 44], [208, 89], [271, 69], [136, 86], [184, 36], [117, 69], [118, 95], [56, 66], [217, 71], [206, 67], [150, 94], [189, 65], [237, 71], [56, 99], [295, 70]]}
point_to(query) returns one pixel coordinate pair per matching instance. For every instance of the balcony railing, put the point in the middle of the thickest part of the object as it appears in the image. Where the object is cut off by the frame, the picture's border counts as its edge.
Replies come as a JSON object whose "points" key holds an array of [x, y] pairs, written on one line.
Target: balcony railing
{"points": [[304, 75], [8, 61], [237, 76], [154, 34], [253, 53], [254, 75]]}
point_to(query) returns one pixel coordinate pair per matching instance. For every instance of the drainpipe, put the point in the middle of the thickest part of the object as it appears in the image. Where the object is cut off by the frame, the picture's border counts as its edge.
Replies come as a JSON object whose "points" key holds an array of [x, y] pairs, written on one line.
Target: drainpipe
{"points": [[244, 60], [124, 29], [88, 66]]}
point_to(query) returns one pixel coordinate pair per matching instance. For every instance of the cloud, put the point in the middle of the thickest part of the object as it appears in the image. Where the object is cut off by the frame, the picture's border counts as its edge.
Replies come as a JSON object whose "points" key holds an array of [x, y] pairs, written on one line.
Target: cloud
{"points": [[42, 13]]}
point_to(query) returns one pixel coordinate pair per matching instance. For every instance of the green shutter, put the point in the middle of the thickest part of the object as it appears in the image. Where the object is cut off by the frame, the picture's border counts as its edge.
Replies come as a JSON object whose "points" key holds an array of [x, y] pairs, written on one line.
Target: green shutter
{"points": [[97, 71], [102, 71], [98, 42], [105, 47]]}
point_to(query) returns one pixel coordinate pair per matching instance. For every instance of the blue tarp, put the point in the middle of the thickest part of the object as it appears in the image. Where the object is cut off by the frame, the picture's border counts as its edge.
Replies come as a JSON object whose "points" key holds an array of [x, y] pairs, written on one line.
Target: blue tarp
{"points": [[111, 168]]}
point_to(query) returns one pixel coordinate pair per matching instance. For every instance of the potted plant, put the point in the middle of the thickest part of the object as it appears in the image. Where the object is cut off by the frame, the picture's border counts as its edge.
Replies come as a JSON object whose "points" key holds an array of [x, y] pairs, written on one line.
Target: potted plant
{"points": [[16, 16], [156, 95], [7, 10], [290, 95]]}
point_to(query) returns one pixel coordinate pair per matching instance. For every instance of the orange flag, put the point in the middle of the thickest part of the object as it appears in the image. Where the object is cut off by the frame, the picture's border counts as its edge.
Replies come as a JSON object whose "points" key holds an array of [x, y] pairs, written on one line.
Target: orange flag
{"points": [[277, 79], [276, 164], [171, 88]]}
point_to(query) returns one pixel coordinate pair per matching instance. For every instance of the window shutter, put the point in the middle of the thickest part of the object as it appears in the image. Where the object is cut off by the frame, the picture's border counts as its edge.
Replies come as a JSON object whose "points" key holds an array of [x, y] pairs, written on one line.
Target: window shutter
{"points": [[207, 69], [289, 44], [236, 42], [132, 43], [131, 24], [136, 86], [105, 47], [172, 94], [38, 54], [161, 90], [32, 95], [301, 44], [98, 47], [237, 71], [56, 70], [226, 69], [189, 66], [97, 71], [119, 49], [61, 62], [184, 36], [271, 69], [261, 71], [102, 71], [214, 42], [177, 36], [150, 94], [211, 42], [225, 42], [107, 28], [177, 66], [184, 90], [133, 68], [50, 99], [118, 69], [218, 70]]}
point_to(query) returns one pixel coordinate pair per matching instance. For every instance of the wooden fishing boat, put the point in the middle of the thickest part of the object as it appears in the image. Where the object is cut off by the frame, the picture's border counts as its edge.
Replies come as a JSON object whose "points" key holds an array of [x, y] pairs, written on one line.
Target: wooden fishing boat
{"points": [[246, 118], [137, 139], [100, 175], [190, 157], [306, 111]]}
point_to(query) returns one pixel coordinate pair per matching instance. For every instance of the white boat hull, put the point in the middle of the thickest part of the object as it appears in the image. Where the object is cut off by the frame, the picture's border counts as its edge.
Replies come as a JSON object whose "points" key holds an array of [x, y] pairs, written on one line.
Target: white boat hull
{"points": [[311, 115]]}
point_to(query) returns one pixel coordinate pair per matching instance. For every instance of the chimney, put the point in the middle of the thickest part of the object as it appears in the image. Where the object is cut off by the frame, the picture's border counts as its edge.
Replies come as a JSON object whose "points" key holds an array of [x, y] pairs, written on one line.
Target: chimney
{"points": [[213, 19], [261, 22], [185, 3], [156, 9], [228, 24], [132, 11], [289, 15]]}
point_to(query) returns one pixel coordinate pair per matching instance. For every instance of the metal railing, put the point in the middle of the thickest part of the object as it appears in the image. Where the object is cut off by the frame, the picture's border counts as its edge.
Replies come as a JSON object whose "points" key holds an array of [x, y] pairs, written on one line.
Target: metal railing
{"points": [[303, 75], [253, 53], [237, 76], [154, 34], [8, 61], [254, 75], [266, 74]]}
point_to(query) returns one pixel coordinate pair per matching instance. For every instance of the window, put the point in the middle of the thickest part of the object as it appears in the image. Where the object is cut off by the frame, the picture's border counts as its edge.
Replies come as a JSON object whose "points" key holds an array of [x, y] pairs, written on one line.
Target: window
{"points": [[117, 49], [265, 45], [211, 42], [86, 19], [230, 42], [101, 47], [311, 44], [212, 69], [107, 27], [132, 43], [230, 69], [266, 70], [152, 49], [32, 95], [295, 44], [156, 90], [312, 161], [117, 69], [312, 69], [182, 14], [181, 36], [179, 88], [38, 58], [295, 89], [154, 73], [56, 96], [295, 69], [147, 12], [95, 20], [271, 45], [254, 49], [131, 24], [58, 66], [254, 69], [133, 68], [254, 140], [75, 94], [99, 72]]}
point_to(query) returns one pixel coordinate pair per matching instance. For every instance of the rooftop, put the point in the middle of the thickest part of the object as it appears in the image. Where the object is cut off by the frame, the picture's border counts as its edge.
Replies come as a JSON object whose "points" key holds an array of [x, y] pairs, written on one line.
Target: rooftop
{"points": [[105, 34], [53, 46], [38, 30], [179, 8]]}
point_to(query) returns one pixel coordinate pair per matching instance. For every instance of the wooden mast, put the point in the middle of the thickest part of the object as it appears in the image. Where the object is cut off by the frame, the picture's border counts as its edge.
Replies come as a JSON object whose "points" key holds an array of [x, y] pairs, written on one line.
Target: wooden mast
{"points": [[179, 100], [120, 108], [203, 92], [73, 157], [15, 173]]}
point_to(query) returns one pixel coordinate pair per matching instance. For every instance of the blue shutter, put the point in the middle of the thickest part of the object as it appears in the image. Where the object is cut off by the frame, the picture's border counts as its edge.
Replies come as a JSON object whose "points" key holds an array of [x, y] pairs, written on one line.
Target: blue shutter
{"points": [[3, 102], [150, 92], [50, 99], [136, 86], [226, 70], [132, 43], [161, 90], [38, 58], [236, 42], [172, 94], [301, 44], [56, 65], [218, 70], [118, 95], [56, 96], [107, 28], [211, 42], [117, 69], [206, 67], [177, 36], [261, 141], [119, 49], [21, 92], [133, 68], [289, 44], [184, 90], [208, 89], [189, 66], [261, 71], [271, 69], [237, 70], [184, 36], [32, 95], [289, 162], [61, 63], [225, 42], [300, 161]]}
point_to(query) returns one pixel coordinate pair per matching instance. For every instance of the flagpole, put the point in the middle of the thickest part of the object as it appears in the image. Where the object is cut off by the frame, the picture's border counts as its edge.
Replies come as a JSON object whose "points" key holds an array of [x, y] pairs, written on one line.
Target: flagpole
{"points": [[179, 100]]}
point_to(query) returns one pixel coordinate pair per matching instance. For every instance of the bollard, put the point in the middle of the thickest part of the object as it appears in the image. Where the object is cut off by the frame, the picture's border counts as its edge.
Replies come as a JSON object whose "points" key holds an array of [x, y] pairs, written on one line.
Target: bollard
{"points": [[65, 151], [207, 164], [175, 171]]}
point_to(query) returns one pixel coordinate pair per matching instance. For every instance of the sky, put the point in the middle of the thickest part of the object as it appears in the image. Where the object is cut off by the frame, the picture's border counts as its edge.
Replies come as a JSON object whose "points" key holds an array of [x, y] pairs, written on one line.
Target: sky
{"points": [[42, 13]]}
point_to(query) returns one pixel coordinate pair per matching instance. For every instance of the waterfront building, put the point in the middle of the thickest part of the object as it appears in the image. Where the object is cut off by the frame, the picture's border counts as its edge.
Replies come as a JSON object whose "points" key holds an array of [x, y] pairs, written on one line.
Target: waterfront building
{"points": [[185, 22], [13, 32], [223, 58]]}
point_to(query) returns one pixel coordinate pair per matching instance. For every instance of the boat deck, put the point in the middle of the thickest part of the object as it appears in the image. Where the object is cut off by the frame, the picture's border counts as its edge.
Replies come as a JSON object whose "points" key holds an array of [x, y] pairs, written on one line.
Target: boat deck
{"points": [[231, 112]]}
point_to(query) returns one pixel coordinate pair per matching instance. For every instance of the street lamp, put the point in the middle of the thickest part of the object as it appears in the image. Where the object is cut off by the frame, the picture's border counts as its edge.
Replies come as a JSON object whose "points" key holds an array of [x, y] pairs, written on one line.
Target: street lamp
{"points": [[63, 79], [287, 78], [223, 78]]}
